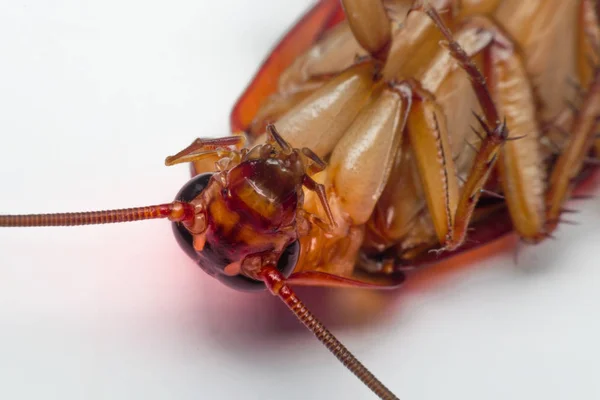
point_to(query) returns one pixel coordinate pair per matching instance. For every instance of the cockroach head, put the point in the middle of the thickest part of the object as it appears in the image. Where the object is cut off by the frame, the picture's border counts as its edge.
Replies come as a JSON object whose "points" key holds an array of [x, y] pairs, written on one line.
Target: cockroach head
{"points": [[247, 215], [218, 255]]}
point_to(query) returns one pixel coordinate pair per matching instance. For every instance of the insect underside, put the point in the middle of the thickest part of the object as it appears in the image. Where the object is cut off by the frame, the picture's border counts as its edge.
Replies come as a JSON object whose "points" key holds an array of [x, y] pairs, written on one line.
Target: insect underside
{"points": [[380, 150], [422, 148]]}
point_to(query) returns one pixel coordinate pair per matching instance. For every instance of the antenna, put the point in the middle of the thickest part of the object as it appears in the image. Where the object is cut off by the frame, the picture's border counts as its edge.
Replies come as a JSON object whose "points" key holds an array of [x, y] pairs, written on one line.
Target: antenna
{"points": [[276, 284], [273, 279], [177, 211]]}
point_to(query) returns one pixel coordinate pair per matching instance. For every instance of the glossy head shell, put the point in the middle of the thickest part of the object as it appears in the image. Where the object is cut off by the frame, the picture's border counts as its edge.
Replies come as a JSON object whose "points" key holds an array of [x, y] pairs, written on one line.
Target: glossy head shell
{"points": [[214, 263]]}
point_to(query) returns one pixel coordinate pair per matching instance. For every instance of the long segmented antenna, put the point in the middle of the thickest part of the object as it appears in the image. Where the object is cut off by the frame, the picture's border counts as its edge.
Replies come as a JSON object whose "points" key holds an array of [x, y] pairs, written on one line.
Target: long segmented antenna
{"points": [[176, 211], [184, 212], [276, 284]]}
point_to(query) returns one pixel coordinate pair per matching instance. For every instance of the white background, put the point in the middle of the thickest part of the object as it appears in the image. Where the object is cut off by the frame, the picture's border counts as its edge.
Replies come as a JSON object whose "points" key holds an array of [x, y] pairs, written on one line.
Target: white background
{"points": [[93, 96]]}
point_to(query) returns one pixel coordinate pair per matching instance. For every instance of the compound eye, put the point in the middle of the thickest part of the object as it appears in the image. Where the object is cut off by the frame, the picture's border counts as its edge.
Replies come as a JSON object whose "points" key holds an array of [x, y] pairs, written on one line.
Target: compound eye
{"points": [[193, 187], [289, 258]]}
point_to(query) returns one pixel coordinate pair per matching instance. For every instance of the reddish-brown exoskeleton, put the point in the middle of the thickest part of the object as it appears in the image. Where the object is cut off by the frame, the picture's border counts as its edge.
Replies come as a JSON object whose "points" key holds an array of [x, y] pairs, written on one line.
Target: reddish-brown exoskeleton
{"points": [[249, 214], [376, 97]]}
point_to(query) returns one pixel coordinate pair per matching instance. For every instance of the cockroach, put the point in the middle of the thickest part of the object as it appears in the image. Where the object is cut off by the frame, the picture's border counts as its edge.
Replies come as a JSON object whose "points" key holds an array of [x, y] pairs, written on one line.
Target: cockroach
{"points": [[295, 198]]}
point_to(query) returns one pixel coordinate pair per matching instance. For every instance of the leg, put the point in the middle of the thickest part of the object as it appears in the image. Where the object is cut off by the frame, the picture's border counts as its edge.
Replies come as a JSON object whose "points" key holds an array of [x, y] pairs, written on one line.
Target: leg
{"points": [[521, 165], [453, 93], [451, 221], [520, 162], [451, 213], [202, 148], [569, 163], [362, 160], [319, 189], [370, 25], [320, 120], [477, 79], [275, 137], [517, 183], [315, 165], [359, 168], [589, 46]]}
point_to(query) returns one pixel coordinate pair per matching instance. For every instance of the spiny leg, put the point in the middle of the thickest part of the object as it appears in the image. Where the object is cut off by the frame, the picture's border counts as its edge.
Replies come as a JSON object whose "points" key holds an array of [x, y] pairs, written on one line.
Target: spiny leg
{"points": [[447, 83], [477, 178], [433, 140], [430, 145], [477, 79], [520, 162], [569, 163], [589, 46], [580, 136], [450, 211], [588, 41]]}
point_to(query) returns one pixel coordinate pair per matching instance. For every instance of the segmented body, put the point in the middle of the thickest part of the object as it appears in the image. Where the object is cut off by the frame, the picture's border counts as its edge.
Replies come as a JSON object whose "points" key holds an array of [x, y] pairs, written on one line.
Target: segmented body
{"points": [[487, 218], [330, 97]]}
